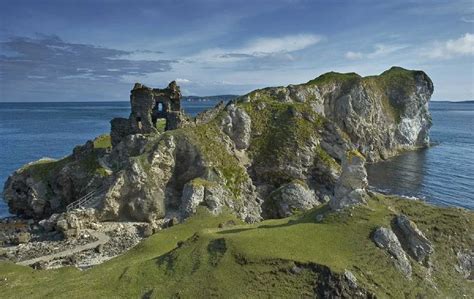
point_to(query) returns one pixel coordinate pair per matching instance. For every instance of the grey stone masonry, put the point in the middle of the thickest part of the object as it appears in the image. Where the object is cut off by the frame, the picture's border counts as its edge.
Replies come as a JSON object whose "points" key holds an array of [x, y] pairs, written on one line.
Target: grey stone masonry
{"points": [[148, 105]]}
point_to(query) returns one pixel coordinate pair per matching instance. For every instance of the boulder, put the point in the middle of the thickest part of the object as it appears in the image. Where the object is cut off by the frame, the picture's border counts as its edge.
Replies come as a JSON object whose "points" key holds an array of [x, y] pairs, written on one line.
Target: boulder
{"points": [[70, 223], [216, 197], [419, 247], [351, 279], [202, 192], [83, 151], [21, 238], [193, 196], [147, 230], [465, 264], [49, 224], [386, 239], [294, 196]]}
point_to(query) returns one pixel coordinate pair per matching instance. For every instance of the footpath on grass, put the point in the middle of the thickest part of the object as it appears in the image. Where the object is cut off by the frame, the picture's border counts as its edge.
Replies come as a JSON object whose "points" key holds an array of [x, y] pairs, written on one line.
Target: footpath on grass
{"points": [[101, 239]]}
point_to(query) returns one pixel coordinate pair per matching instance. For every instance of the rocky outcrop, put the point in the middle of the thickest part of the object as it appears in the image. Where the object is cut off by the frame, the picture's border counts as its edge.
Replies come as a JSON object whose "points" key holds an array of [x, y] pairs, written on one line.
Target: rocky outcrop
{"points": [[419, 247], [350, 188], [294, 196], [386, 239], [47, 186], [248, 152], [465, 264], [237, 125], [70, 224], [379, 115], [202, 192], [405, 239]]}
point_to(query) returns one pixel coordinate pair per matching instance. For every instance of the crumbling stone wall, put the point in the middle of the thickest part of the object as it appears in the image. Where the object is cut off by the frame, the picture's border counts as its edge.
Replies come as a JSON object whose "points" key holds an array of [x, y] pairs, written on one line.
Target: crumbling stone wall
{"points": [[148, 105]]}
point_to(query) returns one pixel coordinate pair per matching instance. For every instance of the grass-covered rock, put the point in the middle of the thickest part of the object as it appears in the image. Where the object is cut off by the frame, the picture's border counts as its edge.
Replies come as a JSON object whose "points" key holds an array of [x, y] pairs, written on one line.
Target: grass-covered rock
{"points": [[250, 148]]}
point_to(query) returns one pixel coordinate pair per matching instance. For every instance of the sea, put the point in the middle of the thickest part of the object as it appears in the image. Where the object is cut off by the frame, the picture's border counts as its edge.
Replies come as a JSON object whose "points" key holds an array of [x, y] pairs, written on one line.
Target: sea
{"points": [[442, 174]]}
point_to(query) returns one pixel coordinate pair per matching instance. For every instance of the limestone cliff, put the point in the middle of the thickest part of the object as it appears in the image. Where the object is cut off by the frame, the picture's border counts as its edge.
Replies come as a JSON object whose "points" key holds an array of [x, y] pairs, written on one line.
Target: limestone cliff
{"points": [[254, 156]]}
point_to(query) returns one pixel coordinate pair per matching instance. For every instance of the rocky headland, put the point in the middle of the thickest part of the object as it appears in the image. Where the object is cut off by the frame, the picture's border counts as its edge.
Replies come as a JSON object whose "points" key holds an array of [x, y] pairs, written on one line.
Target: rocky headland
{"points": [[277, 165], [235, 155]]}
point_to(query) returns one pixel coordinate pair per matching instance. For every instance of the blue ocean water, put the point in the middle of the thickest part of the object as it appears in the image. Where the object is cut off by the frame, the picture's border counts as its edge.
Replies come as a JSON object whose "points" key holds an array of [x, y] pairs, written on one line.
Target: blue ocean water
{"points": [[30, 131], [442, 174]]}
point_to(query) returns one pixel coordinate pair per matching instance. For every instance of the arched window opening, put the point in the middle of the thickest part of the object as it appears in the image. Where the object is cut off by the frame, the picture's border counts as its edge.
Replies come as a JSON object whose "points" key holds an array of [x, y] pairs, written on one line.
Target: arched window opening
{"points": [[159, 107]]}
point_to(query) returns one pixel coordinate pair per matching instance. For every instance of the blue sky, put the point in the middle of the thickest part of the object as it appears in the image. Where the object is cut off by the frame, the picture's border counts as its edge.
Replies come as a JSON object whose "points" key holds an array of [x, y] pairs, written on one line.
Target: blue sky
{"points": [[95, 50]]}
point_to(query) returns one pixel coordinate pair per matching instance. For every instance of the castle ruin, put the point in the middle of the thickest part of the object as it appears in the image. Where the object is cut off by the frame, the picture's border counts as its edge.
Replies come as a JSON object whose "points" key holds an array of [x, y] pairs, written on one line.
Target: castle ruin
{"points": [[148, 105]]}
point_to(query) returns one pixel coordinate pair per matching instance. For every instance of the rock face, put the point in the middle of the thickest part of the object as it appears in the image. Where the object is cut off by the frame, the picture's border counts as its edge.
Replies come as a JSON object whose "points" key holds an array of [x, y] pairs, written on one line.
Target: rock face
{"points": [[350, 188], [237, 124], [294, 196], [386, 239], [419, 246], [201, 192], [247, 153]]}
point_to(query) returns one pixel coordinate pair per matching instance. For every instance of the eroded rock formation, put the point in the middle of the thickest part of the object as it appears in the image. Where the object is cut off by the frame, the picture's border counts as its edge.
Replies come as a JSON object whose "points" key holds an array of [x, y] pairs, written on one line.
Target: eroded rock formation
{"points": [[244, 153], [351, 187], [386, 239]]}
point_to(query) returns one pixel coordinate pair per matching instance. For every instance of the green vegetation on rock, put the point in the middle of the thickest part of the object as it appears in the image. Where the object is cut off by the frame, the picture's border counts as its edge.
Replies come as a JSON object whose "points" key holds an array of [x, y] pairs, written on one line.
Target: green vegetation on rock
{"points": [[279, 130], [161, 124], [45, 169], [91, 165], [334, 77], [102, 141], [203, 182], [390, 85], [197, 259], [209, 141]]}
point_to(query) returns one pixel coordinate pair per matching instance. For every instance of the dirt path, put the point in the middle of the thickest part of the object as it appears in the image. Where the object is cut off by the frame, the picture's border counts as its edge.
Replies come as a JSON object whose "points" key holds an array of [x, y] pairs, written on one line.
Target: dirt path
{"points": [[101, 239]]}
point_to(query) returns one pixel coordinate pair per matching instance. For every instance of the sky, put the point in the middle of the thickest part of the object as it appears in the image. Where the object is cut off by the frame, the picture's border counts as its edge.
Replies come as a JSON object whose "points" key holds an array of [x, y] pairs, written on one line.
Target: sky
{"points": [[67, 50]]}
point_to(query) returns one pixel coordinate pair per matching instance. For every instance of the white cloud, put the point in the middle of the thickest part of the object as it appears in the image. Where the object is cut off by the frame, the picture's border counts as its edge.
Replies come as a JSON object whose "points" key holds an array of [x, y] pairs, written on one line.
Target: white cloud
{"points": [[181, 80], [284, 44], [462, 46], [467, 20], [380, 50], [260, 47], [354, 55]]}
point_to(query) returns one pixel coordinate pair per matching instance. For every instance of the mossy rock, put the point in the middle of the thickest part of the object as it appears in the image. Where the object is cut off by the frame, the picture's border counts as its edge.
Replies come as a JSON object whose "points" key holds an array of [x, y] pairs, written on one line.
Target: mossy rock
{"points": [[102, 141]]}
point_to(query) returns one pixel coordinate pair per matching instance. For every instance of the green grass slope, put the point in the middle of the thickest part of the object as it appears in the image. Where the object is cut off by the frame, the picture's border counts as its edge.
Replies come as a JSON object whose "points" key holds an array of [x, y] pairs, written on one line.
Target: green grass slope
{"points": [[198, 259]]}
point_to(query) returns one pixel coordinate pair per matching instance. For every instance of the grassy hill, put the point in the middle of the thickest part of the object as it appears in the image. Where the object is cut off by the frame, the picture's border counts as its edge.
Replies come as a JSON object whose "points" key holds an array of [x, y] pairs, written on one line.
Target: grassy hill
{"points": [[293, 257]]}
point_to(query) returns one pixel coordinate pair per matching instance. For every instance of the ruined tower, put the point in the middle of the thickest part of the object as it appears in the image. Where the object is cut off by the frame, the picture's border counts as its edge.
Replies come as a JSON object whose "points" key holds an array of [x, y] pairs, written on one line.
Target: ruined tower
{"points": [[148, 105]]}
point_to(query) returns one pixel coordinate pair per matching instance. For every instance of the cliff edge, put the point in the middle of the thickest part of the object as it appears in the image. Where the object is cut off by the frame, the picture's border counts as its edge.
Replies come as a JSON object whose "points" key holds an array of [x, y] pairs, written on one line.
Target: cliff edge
{"points": [[263, 155]]}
